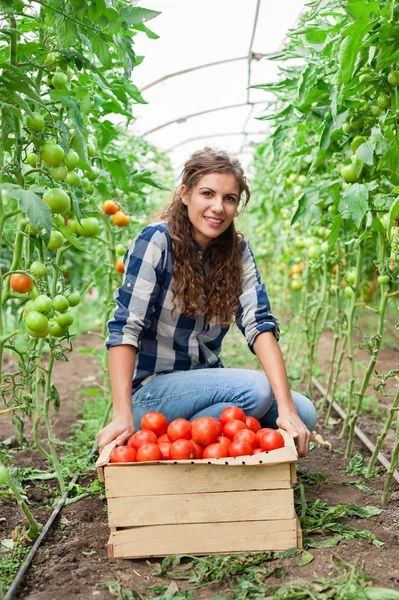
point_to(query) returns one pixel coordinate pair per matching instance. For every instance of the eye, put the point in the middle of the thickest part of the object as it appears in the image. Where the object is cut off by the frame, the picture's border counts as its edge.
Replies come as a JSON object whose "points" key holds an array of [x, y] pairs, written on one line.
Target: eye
{"points": [[205, 193], [231, 198]]}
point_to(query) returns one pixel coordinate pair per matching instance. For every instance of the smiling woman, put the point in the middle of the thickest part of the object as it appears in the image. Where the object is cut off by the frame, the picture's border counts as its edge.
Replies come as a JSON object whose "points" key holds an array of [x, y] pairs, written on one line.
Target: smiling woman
{"points": [[187, 279]]}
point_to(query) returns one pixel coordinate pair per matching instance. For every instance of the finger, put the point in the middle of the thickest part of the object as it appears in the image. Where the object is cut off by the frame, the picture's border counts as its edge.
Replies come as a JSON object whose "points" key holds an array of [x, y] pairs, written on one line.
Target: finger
{"points": [[121, 439]]}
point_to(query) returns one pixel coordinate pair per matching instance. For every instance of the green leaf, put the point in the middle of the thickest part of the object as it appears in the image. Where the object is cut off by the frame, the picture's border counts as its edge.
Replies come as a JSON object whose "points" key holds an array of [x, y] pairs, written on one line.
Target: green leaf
{"points": [[102, 51], [366, 152], [134, 93], [134, 15], [393, 213], [355, 199], [334, 233], [147, 177], [390, 160], [306, 558], [72, 239], [66, 32], [378, 593], [118, 172], [39, 213], [150, 34]]}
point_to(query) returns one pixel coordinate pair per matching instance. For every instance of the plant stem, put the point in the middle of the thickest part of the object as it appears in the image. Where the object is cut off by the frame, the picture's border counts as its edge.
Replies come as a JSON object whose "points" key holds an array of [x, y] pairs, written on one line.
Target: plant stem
{"points": [[35, 527], [383, 434], [337, 374], [392, 466], [38, 404], [47, 420]]}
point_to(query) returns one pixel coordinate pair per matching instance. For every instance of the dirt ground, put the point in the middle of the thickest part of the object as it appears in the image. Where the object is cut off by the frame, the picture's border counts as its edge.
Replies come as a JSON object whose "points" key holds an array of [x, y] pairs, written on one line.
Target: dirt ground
{"points": [[73, 563]]}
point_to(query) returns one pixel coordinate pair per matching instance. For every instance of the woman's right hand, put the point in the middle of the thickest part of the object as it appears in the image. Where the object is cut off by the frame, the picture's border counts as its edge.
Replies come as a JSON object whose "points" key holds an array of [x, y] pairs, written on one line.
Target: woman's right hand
{"points": [[119, 430]]}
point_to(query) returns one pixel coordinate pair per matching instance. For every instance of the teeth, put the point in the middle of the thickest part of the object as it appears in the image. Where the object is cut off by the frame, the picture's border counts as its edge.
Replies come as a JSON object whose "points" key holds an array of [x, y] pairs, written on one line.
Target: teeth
{"points": [[213, 220]]}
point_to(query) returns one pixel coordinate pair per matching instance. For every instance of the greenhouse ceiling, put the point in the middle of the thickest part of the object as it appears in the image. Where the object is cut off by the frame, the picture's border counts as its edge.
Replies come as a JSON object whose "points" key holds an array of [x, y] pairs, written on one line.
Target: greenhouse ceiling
{"points": [[194, 34]]}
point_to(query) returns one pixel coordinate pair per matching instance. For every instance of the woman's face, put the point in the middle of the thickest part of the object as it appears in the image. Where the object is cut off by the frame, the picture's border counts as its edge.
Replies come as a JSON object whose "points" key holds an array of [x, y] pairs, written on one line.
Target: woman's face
{"points": [[212, 205]]}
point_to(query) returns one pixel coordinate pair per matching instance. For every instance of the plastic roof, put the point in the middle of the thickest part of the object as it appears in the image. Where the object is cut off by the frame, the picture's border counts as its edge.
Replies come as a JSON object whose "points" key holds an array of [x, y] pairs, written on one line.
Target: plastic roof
{"points": [[194, 33]]}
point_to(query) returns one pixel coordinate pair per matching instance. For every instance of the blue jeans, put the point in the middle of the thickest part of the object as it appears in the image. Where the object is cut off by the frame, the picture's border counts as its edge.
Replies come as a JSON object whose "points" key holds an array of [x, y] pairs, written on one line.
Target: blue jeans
{"points": [[206, 392]]}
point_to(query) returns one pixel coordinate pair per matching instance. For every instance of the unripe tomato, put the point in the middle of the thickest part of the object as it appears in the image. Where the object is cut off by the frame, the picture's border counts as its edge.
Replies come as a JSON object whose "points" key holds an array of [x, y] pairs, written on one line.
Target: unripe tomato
{"points": [[385, 221], [57, 200], [302, 179], [59, 81], [64, 319], [36, 322], [35, 123], [57, 331], [3, 474], [314, 251], [393, 78], [348, 291], [377, 111], [92, 174], [347, 128], [51, 58], [332, 209], [110, 207], [38, 269], [58, 173], [73, 225], [88, 227], [74, 298], [356, 142], [356, 123], [120, 249], [20, 283], [56, 240], [73, 178], [351, 276], [29, 306], [383, 101], [365, 107], [51, 153], [348, 173], [43, 304], [71, 160], [119, 266], [31, 160], [91, 151], [383, 279], [39, 334]]}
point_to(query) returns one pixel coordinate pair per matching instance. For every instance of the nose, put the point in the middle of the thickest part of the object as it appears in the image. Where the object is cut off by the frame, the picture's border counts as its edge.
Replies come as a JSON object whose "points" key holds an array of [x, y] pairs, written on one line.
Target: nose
{"points": [[217, 205]]}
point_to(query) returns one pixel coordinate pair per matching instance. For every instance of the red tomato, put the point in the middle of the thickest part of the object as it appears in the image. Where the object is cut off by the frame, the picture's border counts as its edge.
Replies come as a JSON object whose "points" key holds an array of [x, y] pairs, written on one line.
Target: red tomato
{"points": [[252, 424], [260, 432], [240, 448], [205, 430], [179, 429], [199, 450], [148, 452], [232, 413], [231, 428], [142, 437], [216, 451], [165, 449], [155, 421], [271, 440], [163, 438], [258, 450], [181, 450], [225, 441], [123, 454], [247, 435]]}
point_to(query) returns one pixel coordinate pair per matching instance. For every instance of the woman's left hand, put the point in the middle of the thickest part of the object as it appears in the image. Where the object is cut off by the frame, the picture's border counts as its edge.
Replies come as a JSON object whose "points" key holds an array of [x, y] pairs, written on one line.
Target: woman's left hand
{"points": [[291, 422]]}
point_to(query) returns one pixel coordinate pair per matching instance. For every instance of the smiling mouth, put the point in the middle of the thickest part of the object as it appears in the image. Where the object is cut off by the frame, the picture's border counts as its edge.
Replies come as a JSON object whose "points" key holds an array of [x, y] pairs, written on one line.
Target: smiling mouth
{"points": [[214, 221]]}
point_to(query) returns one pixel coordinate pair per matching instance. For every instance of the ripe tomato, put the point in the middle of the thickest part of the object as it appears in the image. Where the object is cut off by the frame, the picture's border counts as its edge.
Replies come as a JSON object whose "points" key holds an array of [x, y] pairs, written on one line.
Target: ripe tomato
{"points": [[252, 424], [163, 438], [119, 266], [261, 432], [182, 450], [199, 450], [148, 452], [123, 454], [231, 428], [179, 429], [248, 436], [258, 450], [20, 283], [110, 208], [225, 441], [216, 451], [58, 200], [156, 422], [205, 430], [165, 449], [142, 437], [232, 413], [240, 448], [271, 440], [120, 219]]}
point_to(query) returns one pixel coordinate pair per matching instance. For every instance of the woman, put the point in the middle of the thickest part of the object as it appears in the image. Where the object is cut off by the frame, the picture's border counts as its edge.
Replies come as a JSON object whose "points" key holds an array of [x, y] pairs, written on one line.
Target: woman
{"points": [[186, 280]]}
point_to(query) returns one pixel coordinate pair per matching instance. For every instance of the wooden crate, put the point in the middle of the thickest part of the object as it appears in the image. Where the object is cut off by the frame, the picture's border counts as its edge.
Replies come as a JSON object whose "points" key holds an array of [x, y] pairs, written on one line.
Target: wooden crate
{"points": [[201, 506]]}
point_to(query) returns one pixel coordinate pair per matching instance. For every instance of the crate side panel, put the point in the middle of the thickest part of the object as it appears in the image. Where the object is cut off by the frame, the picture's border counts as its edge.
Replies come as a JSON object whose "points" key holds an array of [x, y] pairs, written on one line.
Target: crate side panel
{"points": [[205, 538], [122, 481], [256, 505]]}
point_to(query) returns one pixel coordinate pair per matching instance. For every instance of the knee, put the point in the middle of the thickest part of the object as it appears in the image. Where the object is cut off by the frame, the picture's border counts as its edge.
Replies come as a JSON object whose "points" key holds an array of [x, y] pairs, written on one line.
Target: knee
{"points": [[259, 394], [306, 410]]}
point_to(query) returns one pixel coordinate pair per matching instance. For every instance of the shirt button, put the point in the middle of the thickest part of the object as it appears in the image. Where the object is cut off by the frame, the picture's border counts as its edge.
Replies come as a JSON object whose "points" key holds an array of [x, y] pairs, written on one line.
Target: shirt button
{"points": [[129, 285]]}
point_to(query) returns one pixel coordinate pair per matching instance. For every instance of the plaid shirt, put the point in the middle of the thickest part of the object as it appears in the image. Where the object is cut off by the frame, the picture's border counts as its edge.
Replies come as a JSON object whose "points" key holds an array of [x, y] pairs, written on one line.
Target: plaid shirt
{"points": [[143, 318]]}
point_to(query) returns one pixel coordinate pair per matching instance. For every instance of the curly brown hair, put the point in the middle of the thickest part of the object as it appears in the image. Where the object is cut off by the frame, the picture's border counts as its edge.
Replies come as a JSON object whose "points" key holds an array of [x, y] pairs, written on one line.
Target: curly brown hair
{"points": [[215, 294]]}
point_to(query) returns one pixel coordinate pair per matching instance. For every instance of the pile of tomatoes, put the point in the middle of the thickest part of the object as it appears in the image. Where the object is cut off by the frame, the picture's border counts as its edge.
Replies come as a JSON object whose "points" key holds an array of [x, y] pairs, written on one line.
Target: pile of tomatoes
{"points": [[234, 434]]}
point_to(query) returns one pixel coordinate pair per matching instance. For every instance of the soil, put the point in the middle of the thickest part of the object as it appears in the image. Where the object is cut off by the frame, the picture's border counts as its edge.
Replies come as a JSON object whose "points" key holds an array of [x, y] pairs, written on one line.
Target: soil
{"points": [[73, 562]]}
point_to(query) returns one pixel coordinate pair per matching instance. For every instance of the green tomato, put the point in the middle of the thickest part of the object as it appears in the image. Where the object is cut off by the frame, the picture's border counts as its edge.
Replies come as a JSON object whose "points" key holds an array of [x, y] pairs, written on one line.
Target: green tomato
{"points": [[57, 200], [384, 279], [356, 123], [364, 77], [296, 285], [332, 209], [71, 160], [347, 128], [348, 292], [365, 107], [35, 321], [88, 227], [38, 269], [92, 174], [58, 331], [51, 58], [31, 160], [56, 240], [377, 111], [302, 180], [348, 173], [51, 153], [74, 298], [120, 249], [29, 306], [91, 151], [73, 225], [393, 78], [383, 101], [65, 319], [73, 178], [3, 474], [60, 303], [356, 142], [39, 334], [351, 276], [59, 81], [385, 220], [59, 173], [314, 251], [89, 186], [35, 123], [43, 304]]}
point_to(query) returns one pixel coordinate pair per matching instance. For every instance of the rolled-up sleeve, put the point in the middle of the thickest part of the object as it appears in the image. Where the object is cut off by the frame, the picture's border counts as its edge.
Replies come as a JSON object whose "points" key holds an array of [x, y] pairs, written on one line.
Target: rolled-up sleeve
{"points": [[136, 298], [253, 314]]}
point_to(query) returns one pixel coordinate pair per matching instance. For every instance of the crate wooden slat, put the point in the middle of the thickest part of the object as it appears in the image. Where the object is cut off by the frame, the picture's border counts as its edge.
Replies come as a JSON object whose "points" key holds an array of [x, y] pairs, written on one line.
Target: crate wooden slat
{"points": [[204, 538], [201, 508]]}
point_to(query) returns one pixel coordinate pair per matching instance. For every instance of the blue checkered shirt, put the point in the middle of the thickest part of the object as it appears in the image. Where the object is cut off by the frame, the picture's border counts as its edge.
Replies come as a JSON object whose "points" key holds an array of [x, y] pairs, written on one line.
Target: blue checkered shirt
{"points": [[143, 319]]}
